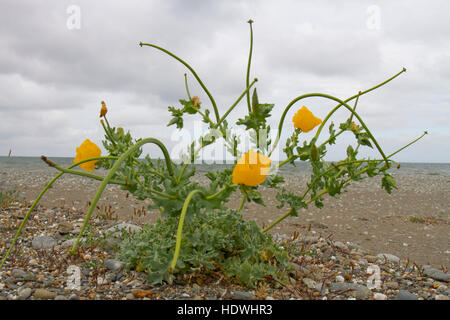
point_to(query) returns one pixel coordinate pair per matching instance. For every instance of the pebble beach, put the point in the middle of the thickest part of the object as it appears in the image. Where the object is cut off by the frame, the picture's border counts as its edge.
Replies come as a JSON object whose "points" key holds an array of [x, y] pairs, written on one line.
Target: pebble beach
{"points": [[365, 244]]}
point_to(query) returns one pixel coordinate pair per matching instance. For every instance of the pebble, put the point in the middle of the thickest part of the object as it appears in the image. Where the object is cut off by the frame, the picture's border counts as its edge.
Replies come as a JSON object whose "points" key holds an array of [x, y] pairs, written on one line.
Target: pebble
{"points": [[441, 297], [379, 296], [24, 293], [358, 291], [65, 227], [389, 257], [69, 243], [392, 285], [311, 284], [242, 295], [116, 231], [436, 274], [114, 265], [44, 294], [43, 242], [405, 295], [17, 273]]}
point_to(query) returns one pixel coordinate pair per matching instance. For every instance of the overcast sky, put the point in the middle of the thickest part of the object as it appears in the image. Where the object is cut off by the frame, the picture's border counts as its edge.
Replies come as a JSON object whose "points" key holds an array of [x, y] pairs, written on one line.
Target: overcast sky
{"points": [[55, 69]]}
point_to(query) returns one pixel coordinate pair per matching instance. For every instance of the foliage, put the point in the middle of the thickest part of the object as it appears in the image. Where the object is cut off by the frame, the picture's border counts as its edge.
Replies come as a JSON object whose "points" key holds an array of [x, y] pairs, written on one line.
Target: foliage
{"points": [[219, 241]]}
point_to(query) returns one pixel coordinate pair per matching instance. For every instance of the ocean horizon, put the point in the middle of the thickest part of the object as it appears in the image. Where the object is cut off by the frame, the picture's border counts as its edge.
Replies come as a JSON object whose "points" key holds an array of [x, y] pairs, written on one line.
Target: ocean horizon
{"points": [[31, 163]]}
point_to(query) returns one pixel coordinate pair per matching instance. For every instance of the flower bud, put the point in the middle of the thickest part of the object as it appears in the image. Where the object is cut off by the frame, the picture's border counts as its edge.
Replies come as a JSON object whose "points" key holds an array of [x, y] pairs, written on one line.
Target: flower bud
{"points": [[103, 110]]}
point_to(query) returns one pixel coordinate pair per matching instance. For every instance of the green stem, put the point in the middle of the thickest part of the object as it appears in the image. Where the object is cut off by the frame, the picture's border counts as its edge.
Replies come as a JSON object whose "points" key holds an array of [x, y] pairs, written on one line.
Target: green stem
{"points": [[108, 132], [186, 85], [247, 80], [36, 201], [235, 103], [88, 175], [111, 173], [426, 132], [341, 103], [241, 205], [216, 110], [180, 228], [280, 126], [324, 191], [181, 173]]}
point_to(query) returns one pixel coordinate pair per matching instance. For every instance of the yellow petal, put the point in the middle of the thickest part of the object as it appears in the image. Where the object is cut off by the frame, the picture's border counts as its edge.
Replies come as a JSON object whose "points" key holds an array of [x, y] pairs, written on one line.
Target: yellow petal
{"points": [[305, 120], [251, 169], [87, 150]]}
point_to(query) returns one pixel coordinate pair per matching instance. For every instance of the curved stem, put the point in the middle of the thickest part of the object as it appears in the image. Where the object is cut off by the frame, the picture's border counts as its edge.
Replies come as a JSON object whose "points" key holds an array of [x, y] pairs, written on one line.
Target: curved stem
{"points": [[36, 201], [247, 80], [180, 228], [341, 103], [111, 173], [280, 126], [86, 174], [216, 110], [235, 103]]}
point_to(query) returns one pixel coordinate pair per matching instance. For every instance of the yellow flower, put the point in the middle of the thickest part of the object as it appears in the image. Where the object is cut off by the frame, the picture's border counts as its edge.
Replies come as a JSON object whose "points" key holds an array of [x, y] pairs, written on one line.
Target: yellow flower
{"points": [[120, 131], [305, 120], [103, 110], [251, 169], [87, 150]]}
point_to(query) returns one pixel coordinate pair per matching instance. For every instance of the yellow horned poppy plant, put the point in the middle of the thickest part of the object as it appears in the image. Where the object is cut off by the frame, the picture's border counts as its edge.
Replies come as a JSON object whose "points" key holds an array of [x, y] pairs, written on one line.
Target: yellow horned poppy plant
{"points": [[305, 120], [251, 169], [87, 150]]}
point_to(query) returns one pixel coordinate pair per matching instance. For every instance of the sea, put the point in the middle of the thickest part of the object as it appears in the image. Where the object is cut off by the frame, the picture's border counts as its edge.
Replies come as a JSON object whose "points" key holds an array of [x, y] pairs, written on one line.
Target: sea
{"points": [[301, 168]]}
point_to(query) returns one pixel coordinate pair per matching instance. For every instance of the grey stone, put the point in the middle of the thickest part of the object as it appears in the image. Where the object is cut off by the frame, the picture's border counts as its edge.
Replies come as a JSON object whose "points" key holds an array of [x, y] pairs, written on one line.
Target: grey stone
{"points": [[60, 297], [114, 265], [69, 243], [17, 273], [130, 296], [358, 291], [116, 231], [311, 284], [405, 295], [340, 245], [392, 285], [44, 294], [242, 295], [135, 283], [436, 274], [389, 257], [73, 296], [24, 293], [43, 242]]}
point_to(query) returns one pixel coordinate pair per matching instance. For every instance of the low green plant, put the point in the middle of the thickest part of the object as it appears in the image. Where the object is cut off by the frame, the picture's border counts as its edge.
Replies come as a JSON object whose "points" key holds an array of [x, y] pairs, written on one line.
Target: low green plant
{"points": [[199, 230], [220, 241]]}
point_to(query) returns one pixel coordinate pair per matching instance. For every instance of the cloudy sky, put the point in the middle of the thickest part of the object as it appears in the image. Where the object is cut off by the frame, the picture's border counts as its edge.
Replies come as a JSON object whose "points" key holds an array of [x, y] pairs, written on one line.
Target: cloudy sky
{"points": [[60, 59]]}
